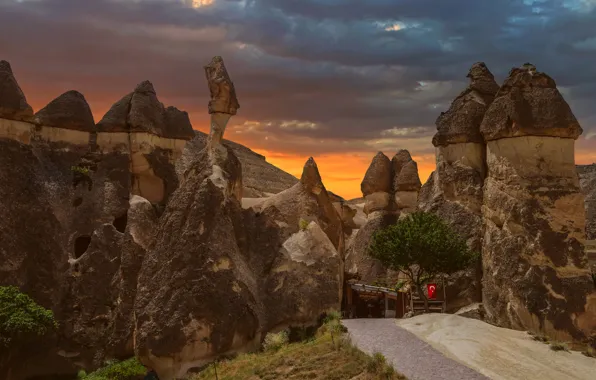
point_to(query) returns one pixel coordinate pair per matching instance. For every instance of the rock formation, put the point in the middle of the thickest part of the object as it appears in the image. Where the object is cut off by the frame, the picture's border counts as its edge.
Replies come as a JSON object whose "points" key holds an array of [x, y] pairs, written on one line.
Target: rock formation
{"points": [[69, 226], [390, 188], [217, 278], [406, 182], [587, 182], [454, 189], [376, 185], [13, 105], [154, 136], [223, 103], [535, 268], [260, 179]]}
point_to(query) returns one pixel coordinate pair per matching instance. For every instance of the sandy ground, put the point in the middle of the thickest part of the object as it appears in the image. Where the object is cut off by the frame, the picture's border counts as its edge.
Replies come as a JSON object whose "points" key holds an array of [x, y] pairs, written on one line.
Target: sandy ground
{"points": [[496, 352]]}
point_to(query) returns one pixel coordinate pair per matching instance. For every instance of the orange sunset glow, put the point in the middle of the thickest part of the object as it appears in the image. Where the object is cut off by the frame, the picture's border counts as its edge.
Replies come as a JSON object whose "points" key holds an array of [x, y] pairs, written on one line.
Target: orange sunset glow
{"points": [[335, 83]]}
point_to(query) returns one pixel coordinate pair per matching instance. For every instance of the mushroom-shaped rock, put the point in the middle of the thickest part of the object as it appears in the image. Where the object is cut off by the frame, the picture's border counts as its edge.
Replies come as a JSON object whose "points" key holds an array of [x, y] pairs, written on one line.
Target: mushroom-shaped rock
{"points": [[529, 104], [378, 176], [141, 111], [405, 172], [223, 93], [13, 104], [311, 179], [70, 111], [408, 179], [461, 122]]}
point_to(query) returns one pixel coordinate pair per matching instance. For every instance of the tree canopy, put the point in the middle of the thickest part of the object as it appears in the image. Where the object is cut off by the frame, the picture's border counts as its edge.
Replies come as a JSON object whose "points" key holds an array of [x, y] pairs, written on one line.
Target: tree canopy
{"points": [[422, 246], [21, 318]]}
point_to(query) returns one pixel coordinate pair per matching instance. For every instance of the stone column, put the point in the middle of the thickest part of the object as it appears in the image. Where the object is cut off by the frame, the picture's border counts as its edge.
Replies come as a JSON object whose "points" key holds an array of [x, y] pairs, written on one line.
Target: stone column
{"points": [[223, 103], [535, 269], [454, 189]]}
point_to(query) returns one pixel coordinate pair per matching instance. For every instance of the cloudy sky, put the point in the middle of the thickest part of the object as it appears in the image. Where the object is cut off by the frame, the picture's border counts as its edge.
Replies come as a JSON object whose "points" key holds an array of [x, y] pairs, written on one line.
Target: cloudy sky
{"points": [[338, 80]]}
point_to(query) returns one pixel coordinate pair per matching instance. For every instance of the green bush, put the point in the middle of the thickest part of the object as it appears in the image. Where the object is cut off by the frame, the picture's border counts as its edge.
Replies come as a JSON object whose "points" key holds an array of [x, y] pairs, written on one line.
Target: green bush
{"points": [[21, 318], [130, 369], [80, 169], [275, 341], [303, 224], [556, 346]]}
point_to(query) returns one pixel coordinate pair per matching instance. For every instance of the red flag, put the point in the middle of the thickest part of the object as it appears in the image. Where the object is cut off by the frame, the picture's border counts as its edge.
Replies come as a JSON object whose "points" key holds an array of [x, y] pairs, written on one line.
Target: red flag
{"points": [[432, 289]]}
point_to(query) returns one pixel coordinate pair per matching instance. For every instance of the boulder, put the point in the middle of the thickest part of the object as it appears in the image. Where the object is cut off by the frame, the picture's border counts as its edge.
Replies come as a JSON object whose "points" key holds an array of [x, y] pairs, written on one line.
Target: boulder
{"points": [[535, 268], [13, 104], [69, 111]]}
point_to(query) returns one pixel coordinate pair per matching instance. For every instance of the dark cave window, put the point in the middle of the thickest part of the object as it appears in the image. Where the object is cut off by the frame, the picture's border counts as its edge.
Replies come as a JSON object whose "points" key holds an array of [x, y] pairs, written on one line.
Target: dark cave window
{"points": [[77, 202], [81, 245], [120, 223]]}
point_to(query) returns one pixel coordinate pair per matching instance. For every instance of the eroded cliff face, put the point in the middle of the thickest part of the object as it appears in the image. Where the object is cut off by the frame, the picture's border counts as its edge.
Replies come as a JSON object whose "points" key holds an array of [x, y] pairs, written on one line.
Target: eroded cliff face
{"points": [[535, 268], [217, 278], [66, 228], [455, 189], [587, 182]]}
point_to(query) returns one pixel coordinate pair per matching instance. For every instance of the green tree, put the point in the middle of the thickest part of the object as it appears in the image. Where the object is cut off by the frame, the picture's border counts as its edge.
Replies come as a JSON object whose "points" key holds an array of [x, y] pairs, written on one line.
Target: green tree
{"points": [[421, 246], [22, 320]]}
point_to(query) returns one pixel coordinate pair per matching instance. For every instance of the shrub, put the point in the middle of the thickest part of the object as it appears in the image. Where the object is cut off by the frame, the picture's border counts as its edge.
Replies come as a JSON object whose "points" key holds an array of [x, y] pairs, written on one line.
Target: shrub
{"points": [[21, 318], [538, 338], [303, 224], [275, 341], [130, 369], [80, 169], [589, 352], [556, 346]]}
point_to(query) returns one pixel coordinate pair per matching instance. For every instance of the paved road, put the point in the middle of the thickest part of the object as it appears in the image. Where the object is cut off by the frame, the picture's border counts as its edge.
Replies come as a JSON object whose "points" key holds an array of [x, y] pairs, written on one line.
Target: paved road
{"points": [[413, 357]]}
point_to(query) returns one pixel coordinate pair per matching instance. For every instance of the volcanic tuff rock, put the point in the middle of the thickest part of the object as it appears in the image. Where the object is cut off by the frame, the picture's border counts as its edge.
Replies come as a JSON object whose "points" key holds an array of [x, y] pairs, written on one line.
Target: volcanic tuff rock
{"points": [[216, 278], [518, 109], [454, 190], [260, 179], [223, 103], [587, 182], [70, 111], [376, 185], [461, 123], [68, 226], [398, 183], [535, 268], [13, 104], [141, 111]]}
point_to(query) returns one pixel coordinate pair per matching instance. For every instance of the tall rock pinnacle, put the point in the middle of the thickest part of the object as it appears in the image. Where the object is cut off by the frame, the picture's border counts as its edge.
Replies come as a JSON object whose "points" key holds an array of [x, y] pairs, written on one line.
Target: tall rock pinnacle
{"points": [[461, 122], [223, 103]]}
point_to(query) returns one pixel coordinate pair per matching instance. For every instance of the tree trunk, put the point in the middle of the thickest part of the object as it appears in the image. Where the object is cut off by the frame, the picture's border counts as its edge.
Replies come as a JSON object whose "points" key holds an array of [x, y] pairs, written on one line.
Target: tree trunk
{"points": [[423, 296]]}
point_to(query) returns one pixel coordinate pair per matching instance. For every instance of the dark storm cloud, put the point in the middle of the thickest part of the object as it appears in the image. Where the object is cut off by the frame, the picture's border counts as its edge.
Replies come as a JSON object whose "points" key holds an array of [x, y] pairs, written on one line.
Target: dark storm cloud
{"points": [[331, 63]]}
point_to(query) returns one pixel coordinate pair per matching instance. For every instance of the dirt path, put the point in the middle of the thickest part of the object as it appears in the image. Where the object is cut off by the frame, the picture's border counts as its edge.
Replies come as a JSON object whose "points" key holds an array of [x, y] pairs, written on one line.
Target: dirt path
{"points": [[407, 353]]}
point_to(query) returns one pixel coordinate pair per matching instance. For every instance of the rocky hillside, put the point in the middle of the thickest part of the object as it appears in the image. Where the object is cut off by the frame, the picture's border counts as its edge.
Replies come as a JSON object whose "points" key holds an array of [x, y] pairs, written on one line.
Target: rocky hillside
{"points": [[136, 239]]}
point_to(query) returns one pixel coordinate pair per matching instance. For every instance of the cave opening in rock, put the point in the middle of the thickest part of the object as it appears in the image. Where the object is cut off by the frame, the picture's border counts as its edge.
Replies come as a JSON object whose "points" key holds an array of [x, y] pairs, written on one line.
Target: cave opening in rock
{"points": [[77, 202], [81, 245], [120, 222]]}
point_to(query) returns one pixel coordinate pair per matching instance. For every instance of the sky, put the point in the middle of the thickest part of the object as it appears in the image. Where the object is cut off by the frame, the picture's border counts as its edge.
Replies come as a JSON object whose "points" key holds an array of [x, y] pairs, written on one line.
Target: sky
{"points": [[338, 80]]}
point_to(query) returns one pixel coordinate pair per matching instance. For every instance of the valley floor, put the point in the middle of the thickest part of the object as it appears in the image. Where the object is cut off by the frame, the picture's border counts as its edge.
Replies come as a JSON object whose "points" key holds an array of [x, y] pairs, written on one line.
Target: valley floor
{"points": [[498, 353]]}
